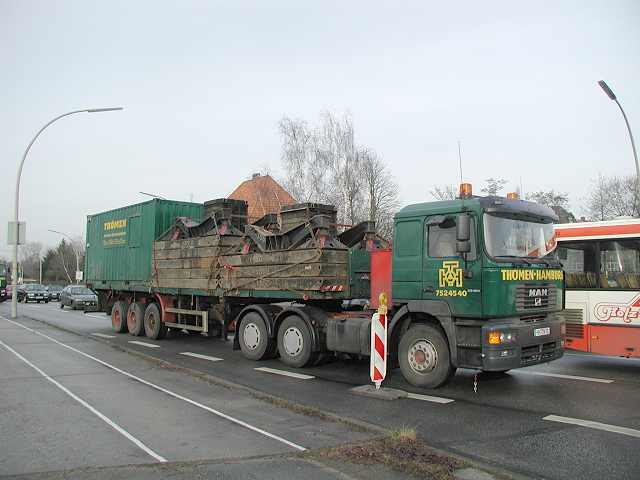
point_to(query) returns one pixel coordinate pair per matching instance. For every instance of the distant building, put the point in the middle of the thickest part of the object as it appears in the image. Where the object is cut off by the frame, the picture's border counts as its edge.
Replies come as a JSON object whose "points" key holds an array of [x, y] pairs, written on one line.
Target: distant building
{"points": [[564, 216], [263, 194]]}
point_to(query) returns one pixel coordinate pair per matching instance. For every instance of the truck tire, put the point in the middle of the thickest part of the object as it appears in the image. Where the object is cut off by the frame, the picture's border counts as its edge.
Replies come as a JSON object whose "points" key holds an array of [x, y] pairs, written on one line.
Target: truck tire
{"points": [[295, 343], [118, 316], [153, 326], [253, 338], [424, 357], [135, 319]]}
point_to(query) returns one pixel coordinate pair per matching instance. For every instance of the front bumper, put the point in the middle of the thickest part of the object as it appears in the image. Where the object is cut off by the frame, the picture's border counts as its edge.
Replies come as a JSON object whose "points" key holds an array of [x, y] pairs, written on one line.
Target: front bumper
{"points": [[528, 348]]}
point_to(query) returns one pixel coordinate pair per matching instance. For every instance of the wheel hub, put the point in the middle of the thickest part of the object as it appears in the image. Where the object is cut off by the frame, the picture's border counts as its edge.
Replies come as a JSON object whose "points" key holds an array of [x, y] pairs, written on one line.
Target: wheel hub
{"points": [[251, 336], [422, 356], [293, 341]]}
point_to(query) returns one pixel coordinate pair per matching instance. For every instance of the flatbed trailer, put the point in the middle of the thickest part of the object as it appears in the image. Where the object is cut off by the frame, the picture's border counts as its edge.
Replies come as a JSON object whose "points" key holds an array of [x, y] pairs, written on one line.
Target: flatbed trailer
{"points": [[469, 281]]}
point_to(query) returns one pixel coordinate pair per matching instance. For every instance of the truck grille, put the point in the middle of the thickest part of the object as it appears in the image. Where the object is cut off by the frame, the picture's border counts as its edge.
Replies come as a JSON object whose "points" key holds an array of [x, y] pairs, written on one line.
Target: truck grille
{"points": [[536, 353], [532, 296]]}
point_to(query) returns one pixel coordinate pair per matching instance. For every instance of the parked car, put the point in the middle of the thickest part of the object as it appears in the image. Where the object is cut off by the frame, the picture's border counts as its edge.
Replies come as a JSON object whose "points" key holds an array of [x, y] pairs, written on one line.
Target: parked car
{"points": [[33, 292], [54, 291], [78, 297]]}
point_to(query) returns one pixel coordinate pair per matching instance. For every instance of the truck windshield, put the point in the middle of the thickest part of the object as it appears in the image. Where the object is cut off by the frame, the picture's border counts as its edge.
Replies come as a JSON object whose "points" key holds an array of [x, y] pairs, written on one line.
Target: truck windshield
{"points": [[510, 237]]}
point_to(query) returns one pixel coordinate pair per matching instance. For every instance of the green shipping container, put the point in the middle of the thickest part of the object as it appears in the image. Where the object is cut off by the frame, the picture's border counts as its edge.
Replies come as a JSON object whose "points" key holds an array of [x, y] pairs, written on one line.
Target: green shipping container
{"points": [[120, 242]]}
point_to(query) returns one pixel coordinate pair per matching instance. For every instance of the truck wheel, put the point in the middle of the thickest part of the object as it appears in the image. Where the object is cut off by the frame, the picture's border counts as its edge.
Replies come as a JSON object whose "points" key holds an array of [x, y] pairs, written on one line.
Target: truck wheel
{"points": [[254, 338], [135, 319], [118, 316], [153, 326], [424, 357], [295, 343]]}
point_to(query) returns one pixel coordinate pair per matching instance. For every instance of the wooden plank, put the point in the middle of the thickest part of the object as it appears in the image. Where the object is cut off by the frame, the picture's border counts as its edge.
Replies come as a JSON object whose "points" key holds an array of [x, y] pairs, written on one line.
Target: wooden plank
{"points": [[287, 257], [292, 270], [189, 243]]}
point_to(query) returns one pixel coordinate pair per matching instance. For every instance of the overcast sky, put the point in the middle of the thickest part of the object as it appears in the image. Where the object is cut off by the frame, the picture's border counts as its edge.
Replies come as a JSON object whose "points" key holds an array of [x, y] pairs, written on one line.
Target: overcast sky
{"points": [[205, 83]]}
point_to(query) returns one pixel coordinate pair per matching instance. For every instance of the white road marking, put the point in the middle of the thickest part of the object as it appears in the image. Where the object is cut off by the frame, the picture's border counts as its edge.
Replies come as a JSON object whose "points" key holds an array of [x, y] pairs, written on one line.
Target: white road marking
{"points": [[107, 420], [429, 398], [103, 335], [632, 432], [203, 357], [568, 377], [275, 371], [97, 316], [144, 344], [164, 390]]}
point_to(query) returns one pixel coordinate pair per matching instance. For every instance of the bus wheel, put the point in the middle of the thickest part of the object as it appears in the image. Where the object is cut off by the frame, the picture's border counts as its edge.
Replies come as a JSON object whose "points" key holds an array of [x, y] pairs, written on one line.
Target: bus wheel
{"points": [[118, 316], [295, 343], [254, 338], [153, 326], [135, 319], [424, 357]]}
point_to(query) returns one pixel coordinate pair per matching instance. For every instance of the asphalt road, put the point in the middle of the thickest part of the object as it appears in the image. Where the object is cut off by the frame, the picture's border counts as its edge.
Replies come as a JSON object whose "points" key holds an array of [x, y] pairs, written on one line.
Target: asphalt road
{"points": [[68, 402], [538, 421]]}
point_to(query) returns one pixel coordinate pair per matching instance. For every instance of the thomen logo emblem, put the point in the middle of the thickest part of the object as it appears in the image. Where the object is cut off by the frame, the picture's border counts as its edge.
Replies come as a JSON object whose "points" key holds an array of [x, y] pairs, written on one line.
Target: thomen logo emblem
{"points": [[450, 275]]}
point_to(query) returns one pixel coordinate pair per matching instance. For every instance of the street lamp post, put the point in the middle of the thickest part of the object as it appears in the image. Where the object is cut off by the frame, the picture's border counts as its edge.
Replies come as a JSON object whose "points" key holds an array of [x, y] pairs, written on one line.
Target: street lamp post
{"points": [[613, 97], [14, 270], [75, 251]]}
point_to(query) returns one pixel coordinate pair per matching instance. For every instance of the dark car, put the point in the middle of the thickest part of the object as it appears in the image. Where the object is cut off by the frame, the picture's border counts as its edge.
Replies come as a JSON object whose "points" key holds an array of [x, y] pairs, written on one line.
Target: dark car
{"points": [[78, 297], [54, 291], [33, 292]]}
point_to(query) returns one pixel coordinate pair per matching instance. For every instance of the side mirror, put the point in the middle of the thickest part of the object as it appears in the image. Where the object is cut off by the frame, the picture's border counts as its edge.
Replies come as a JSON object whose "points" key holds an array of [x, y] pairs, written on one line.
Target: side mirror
{"points": [[463, 228], [463, 247], [463, 233]]}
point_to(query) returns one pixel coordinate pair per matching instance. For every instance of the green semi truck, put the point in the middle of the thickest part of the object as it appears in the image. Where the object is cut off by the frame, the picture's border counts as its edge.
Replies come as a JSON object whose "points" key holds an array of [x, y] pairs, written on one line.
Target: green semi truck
{"points": [[470, 282]]}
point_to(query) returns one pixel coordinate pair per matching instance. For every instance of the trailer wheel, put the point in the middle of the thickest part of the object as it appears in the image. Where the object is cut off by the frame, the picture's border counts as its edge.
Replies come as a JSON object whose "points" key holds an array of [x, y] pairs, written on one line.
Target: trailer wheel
{"points": [[253, 338], [135, 319], [118, 316], [295, 343], [424, 357], [153, 326]]}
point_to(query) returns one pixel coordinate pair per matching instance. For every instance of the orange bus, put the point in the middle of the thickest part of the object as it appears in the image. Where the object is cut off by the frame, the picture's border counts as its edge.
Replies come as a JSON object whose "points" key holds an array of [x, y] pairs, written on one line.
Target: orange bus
{"points": [[602, 273]]}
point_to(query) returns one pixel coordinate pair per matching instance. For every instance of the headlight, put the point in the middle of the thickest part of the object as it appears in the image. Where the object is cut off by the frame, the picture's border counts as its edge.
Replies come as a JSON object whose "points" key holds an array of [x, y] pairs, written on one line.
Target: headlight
{"points": [[497, 337]]}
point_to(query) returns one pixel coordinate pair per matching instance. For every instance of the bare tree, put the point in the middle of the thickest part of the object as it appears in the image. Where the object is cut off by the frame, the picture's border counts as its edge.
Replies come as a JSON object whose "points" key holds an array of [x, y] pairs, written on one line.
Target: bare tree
{"points": [[612, 197], [493, 186], [30, 259], [444, 192], [382, 192], [550, 198]]}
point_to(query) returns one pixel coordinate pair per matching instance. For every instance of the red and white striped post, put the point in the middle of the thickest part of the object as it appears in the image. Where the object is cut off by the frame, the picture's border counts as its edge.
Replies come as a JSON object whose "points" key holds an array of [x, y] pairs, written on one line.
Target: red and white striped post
{"points": [[378, 361]]}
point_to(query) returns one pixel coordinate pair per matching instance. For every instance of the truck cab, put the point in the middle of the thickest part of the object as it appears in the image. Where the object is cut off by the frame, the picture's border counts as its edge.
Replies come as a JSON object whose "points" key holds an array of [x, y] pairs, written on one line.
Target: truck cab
{"points": [[474, 286]]}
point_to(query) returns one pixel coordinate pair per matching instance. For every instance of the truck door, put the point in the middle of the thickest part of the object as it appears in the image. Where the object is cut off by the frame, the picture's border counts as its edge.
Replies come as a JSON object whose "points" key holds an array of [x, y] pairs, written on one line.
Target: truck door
{"points": [[446, 275]]}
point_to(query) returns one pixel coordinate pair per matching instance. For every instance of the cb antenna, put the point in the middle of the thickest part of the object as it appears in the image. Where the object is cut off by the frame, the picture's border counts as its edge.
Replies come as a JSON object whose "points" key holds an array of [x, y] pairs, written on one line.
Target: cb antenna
{"points": [[460, 160]]}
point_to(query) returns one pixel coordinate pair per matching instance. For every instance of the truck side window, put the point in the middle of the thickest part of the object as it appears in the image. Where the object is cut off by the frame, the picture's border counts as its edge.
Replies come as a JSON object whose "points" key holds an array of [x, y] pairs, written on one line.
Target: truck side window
{"points": [[441, 239]]}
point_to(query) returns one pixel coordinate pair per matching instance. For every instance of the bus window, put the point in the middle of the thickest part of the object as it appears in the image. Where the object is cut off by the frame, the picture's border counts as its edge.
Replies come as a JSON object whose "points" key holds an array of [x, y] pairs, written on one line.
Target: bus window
{"points": [[579, 263], [620, 264]]}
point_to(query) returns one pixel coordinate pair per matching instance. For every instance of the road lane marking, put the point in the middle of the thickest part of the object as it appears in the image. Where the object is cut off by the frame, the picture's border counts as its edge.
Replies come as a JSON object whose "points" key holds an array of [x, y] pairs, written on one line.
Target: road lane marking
{"points": [[299, 376], [429, 398], [203, 357], [96, 316], [144, 344], [632, 432], [568, 377], [104, 418], [103, 335], [164, 390]]}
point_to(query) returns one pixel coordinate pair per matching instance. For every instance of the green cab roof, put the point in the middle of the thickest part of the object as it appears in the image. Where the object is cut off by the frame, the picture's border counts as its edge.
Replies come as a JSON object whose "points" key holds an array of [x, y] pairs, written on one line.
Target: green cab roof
{"points": [[498, 205]]}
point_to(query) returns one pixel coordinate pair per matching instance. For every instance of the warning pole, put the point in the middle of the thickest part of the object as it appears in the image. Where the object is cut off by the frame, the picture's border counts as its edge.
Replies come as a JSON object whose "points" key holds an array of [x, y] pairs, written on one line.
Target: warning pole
{"points": [[378, 359]]}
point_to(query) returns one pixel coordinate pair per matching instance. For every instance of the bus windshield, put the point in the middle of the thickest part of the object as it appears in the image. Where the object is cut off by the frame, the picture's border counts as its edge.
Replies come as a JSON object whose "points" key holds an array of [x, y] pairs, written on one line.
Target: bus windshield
{"points": [[511, 237]]}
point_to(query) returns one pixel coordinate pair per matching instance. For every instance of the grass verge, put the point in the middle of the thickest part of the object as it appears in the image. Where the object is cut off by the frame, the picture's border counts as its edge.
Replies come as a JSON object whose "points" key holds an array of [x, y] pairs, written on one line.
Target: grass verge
{"points": [[402, 451]]}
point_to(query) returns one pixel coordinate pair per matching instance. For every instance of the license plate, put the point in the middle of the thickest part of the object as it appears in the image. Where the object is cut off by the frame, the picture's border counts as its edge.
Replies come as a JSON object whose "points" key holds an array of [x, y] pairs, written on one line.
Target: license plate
{"points": [[539, 332]]}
